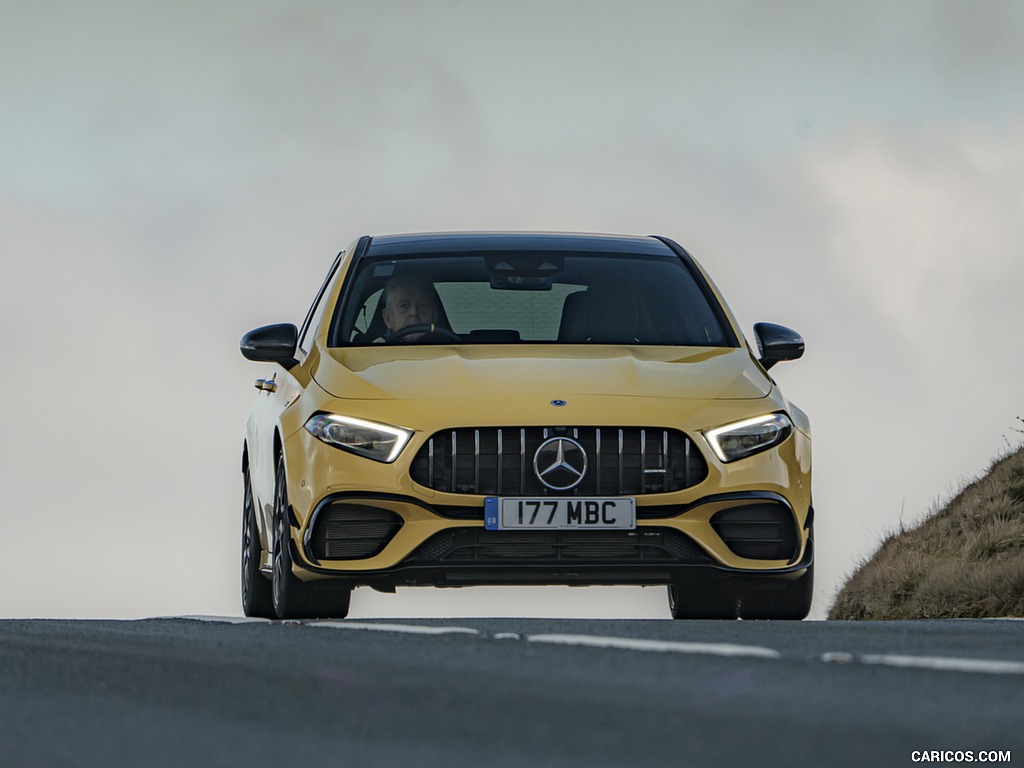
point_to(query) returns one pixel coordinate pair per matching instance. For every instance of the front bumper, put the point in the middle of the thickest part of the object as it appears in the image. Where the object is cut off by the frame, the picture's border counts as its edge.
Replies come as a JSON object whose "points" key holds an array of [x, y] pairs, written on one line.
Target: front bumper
{"points": [[385, 541], [750, 517]]}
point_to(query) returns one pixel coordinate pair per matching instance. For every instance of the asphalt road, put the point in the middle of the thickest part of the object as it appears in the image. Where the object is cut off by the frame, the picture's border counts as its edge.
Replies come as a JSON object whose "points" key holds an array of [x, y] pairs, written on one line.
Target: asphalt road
{"points": [[508, 692]]}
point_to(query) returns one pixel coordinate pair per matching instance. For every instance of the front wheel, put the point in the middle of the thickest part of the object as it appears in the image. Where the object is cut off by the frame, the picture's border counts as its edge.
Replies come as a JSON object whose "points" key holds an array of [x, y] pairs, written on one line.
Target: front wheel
{"points": [[789, 602], [705, 599], [257, 600], [292, 597]]}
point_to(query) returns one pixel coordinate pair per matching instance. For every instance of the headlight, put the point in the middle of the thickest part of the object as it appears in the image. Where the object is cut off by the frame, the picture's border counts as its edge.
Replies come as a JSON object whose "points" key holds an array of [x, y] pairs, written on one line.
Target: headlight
{"points": [[365, 438], [745, 438]]}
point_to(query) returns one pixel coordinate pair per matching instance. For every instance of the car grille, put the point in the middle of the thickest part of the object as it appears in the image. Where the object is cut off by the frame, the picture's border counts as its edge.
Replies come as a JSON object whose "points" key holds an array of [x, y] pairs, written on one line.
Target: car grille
{"points": [[343, 531], [477, 545], [758, 531], [499, 461]]}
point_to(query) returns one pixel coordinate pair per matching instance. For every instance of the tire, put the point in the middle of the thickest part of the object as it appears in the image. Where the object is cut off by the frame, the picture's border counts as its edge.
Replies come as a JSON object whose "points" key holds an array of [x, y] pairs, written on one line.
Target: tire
{"points": [[790, 603], [292, 597], [330, 600], [257, 600], [705, 599]]}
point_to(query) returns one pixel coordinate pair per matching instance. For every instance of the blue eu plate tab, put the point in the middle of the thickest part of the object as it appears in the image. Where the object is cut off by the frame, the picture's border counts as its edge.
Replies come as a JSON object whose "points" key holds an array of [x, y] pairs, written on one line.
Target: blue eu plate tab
{"points": [[491, 513]]}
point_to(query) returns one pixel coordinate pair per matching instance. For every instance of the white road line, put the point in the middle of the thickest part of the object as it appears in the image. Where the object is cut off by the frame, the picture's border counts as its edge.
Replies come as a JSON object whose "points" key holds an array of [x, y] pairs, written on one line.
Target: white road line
{"points": [[409, 629], [661, 646], [986, 666], [216, 619]]}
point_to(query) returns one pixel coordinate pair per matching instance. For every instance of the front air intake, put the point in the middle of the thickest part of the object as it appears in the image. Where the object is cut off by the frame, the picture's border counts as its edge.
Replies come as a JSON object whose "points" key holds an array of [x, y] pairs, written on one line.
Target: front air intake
{"points": [[344, 531], [765, 531]]}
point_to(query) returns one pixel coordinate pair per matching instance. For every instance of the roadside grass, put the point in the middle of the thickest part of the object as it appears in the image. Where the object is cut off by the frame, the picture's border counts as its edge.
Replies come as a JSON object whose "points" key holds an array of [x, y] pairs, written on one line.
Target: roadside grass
{"points": [[965, 560]]}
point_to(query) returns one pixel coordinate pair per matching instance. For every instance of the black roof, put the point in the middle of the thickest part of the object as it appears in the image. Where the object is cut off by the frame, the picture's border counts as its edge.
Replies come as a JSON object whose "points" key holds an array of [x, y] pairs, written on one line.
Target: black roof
{"points": [[454, 242]]}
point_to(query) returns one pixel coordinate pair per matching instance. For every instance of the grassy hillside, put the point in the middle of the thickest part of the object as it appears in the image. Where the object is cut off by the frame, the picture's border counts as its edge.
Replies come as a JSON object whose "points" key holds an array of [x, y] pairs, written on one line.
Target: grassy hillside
{"points": [[966, 560]]}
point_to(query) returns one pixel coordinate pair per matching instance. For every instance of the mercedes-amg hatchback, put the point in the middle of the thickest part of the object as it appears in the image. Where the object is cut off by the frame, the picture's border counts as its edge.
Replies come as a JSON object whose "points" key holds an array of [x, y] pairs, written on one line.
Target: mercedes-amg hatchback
{"points": [[493, 408]]}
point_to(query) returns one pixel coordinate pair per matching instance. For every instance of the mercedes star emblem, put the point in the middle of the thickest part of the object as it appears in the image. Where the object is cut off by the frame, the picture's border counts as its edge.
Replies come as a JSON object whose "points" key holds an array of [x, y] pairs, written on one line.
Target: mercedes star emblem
{"points": [[560, 463]]}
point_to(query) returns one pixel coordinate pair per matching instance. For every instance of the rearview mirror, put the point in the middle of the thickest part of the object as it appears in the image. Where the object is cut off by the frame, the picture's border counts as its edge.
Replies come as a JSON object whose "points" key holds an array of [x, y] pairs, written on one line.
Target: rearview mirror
{"points": [[271, 344], [777, 343], [524, 271]]}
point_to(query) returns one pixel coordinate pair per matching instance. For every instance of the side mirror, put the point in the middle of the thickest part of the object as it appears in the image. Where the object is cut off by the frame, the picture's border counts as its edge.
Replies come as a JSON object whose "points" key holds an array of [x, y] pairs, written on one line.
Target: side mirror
{"points": [[777, 343], [271, 344]]}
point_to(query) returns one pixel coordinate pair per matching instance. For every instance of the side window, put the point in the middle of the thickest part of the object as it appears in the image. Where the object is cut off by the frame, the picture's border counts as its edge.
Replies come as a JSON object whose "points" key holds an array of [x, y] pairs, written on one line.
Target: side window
{"points": [[308, 330], [365, 317]]}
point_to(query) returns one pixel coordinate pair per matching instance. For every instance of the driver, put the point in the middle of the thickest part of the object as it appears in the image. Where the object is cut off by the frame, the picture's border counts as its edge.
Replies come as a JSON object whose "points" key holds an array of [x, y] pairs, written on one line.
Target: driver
{"points": [[408, 300]]}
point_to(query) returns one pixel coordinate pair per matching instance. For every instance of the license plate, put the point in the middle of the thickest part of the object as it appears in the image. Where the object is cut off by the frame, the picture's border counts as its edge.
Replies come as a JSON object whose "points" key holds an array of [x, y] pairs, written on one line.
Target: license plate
{"points": [[502, 514]]}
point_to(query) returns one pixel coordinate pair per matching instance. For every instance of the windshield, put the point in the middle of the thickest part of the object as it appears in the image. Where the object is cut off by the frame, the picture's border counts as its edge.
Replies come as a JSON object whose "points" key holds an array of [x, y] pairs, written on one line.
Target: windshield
{"points": [[528, 298]]}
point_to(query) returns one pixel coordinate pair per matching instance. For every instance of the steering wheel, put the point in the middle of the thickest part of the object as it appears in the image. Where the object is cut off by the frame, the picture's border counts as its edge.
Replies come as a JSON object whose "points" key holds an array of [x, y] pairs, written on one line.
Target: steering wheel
{"points": [[428, 330]]}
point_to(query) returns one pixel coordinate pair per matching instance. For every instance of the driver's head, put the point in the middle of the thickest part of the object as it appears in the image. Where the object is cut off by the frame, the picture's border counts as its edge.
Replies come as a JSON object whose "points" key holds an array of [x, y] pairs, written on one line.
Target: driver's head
{"points": [[408, 301]]}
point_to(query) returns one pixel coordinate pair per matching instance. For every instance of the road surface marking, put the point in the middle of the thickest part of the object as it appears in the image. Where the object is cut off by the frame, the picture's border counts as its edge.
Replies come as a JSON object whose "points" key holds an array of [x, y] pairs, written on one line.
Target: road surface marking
{"points": [[409, 629], [662, 646], [987, 666], [217, 619]]}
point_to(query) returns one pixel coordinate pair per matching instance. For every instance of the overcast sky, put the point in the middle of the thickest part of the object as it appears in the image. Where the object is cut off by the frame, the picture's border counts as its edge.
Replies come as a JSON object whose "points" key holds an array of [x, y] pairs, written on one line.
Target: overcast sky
{"points": [[173, 174]]}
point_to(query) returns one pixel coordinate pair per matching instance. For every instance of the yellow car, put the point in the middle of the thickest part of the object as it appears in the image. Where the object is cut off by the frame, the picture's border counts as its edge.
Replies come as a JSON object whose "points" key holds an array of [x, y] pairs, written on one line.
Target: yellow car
{"points": [[496, 408]]}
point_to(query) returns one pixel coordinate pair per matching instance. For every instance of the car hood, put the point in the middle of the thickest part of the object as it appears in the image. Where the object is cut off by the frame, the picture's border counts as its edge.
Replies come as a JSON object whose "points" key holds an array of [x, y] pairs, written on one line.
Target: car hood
{"points": [[554, 372]]}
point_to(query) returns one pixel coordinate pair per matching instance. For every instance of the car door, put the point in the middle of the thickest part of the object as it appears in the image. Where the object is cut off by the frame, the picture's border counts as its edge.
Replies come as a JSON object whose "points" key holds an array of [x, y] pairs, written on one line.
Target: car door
{"points": [[278, 387]]}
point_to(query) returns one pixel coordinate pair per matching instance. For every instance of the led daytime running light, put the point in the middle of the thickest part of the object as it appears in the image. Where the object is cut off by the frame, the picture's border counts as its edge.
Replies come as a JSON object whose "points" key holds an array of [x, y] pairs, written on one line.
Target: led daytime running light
{"points": [[745, 438], [371, 439]]}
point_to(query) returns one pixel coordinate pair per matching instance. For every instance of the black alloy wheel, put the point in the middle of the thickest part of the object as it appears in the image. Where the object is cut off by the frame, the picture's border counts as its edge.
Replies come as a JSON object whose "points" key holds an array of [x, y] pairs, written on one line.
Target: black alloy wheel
{"points": [[257, 600], [292, 597], [703, 599]]}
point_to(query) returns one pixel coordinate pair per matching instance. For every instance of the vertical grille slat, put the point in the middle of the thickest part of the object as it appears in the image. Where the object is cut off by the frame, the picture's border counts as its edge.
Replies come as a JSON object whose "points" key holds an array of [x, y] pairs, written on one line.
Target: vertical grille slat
{"points": [[455, 461], [686, 465], [665, 458], [522, 458], [643, 455], [501, 459], [476, 461], [621, 461], [430, 462], [622, 468]]}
